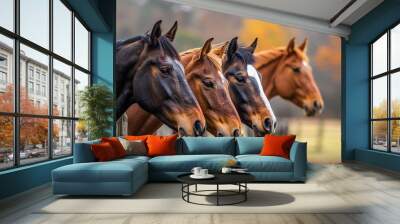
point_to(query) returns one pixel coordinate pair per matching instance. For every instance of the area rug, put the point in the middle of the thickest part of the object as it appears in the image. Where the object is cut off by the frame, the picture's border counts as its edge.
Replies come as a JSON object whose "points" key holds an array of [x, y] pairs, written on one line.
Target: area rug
{"points": [[166, 198]]}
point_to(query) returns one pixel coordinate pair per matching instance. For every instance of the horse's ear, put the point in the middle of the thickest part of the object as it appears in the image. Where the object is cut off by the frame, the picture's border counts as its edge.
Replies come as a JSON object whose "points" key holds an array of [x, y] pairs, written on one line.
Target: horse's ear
{"points": [[253, 45], [220, 49], [303, 46], [155, 33], [171, 32], [290, 47], [206, 48], [232, 48]]}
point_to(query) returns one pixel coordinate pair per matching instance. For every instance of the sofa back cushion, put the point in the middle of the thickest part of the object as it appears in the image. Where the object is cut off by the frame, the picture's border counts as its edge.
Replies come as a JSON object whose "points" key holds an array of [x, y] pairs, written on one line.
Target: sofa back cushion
{"points": [[249, 145], [206, 145], [83, 152]]}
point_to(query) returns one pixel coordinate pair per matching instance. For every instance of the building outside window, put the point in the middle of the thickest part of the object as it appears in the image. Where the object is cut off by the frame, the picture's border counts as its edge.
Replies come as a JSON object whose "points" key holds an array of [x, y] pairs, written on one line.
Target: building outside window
{"points": [[385, 91], [55, 140]]}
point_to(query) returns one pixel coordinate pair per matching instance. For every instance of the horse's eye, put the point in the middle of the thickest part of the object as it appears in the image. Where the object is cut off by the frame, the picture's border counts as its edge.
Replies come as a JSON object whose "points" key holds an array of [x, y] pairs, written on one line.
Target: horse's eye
{"points": [[296, 69], [208, 83], [240, 79], [165, 68]]}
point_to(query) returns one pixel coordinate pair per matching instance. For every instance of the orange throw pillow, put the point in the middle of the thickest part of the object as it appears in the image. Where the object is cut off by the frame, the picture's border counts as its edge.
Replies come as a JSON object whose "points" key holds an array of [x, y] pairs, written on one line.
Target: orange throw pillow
{"points": [[161, 145], [103, 152], [116, 145], [275, 145]]}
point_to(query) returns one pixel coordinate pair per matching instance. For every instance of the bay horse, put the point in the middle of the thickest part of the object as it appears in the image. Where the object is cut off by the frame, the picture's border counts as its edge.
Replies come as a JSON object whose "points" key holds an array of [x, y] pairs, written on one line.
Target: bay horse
{"points": [[149, 72], [287, 73], [246, 90], [204, 75]]}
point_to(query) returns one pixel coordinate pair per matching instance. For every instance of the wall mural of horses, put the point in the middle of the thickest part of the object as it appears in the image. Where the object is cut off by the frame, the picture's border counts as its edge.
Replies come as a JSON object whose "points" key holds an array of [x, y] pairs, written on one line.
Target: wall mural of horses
{"points": [[214, 88], [149, 72], [203, 73]]}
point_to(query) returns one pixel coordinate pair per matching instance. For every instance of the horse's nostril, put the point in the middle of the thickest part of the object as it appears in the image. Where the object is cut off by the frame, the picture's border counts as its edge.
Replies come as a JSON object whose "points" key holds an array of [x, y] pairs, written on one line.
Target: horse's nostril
{"points": [[219, 134], [316, 105], [236, 132], [181, 132], [197, 128], [268, 124]]}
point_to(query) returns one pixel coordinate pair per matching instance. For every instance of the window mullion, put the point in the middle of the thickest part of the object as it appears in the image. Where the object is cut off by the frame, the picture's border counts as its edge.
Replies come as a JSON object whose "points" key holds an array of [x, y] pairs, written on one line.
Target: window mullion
{"points": [[73, 82], [389, 101], [50, 81]]}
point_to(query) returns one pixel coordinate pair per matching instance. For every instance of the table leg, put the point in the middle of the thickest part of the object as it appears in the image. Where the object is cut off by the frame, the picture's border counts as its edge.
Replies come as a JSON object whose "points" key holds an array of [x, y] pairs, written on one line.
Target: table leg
{"points": [[195, 188], [217, 194]]}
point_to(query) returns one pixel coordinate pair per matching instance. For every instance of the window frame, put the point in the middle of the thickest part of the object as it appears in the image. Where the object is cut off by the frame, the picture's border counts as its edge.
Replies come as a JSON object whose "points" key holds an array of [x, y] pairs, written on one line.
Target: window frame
{"points": [[16, 115], [388, 74]]}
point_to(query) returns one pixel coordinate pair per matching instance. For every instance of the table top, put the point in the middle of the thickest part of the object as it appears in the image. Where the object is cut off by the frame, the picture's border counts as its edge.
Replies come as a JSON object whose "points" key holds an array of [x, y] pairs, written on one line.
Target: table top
{"points": [[220, 178]]}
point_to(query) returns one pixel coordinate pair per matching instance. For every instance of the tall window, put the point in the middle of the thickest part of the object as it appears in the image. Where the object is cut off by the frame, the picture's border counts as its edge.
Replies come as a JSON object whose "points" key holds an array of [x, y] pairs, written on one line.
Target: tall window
{"points": [[41, 56], [385, 91]]}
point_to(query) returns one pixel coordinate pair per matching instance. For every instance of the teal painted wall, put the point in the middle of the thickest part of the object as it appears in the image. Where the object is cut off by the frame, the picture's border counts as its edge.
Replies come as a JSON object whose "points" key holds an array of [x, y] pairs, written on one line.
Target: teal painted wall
{"points": [[99, 15], [355, 92]]}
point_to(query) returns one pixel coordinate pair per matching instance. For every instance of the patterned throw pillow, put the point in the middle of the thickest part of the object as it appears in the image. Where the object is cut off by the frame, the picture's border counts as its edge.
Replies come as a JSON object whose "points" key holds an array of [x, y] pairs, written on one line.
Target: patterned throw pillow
{"points": [[134, 147]]}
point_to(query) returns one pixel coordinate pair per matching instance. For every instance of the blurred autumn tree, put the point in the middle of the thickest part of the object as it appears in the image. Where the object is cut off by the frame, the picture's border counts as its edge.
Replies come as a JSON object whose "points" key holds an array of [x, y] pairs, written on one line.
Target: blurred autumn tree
{"points": [[328, 57], [269, 35], [380, 127], [33, 130]]}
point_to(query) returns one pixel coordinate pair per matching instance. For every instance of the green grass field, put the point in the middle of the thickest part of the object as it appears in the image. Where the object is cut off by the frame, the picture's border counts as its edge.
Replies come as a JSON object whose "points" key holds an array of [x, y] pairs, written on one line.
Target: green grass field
{"points": [[323, 137]]}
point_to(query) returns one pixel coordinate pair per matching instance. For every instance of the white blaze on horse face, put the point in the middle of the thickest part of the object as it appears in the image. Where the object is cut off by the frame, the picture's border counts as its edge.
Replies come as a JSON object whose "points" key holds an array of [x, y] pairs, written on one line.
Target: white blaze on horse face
{"points": [[254, 73], [224, 80]]}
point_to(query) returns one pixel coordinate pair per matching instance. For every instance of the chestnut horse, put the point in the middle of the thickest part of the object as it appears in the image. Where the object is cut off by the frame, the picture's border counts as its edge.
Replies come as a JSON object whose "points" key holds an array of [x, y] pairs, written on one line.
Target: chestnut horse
{"points": [[246, 90], [149, 72], [287, 73], [203, 73]]}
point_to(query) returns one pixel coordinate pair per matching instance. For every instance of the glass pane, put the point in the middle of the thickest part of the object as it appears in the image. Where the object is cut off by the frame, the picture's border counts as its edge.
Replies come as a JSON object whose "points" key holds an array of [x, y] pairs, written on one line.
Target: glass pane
{"points": [[379, 97], [395, 47], [6, 142], [379, 55], [395, 136], [62, 138], [379, 135], [395, 94], [6, 74], [34, 97], [62, 29], [81, 45], [81, 81], [35, 21], [62, 89], [33, 139], [7, 14], [81, 131]]}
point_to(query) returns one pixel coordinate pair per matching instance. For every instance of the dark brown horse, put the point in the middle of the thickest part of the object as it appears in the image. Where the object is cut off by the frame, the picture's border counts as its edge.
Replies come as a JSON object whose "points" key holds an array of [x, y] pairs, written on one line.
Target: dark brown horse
{"points": [[286, 73], [245, 88], [203, 73], [149, 72]]}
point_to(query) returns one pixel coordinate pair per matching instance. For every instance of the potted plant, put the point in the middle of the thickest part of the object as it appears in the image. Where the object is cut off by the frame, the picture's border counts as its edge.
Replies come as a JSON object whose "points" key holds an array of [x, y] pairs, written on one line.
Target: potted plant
{"points": [[96, 103]]}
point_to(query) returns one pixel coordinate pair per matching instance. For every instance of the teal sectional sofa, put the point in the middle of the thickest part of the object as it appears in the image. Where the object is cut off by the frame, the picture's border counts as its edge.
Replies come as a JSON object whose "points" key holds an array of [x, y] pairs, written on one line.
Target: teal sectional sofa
{"points": [[125, 176]]}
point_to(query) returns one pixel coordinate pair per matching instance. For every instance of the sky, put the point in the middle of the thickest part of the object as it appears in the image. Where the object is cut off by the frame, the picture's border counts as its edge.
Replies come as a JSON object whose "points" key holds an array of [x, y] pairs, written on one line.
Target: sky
{"points": [[34, 25]]}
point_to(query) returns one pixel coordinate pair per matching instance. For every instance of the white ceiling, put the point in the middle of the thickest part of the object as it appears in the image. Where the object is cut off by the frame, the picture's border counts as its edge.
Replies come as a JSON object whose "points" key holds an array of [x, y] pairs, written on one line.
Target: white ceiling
{"points": [[326, 16]]}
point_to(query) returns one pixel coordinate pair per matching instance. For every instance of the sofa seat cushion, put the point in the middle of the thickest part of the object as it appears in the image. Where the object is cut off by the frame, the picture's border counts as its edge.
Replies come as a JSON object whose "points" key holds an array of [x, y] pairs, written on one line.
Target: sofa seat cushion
{"points": [[185, 163], [257, 163], [113, 171]]}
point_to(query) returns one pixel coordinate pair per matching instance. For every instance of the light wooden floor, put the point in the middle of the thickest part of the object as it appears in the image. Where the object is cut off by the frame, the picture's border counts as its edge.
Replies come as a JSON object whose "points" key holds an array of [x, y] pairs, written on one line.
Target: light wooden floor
{"points": [[379, 189]]}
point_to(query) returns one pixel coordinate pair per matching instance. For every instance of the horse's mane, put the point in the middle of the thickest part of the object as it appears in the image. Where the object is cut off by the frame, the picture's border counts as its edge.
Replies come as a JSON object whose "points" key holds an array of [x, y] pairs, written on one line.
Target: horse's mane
{"points": [[245, 54], [273, 54], [214, 59], [164, 42], [121, 43]]}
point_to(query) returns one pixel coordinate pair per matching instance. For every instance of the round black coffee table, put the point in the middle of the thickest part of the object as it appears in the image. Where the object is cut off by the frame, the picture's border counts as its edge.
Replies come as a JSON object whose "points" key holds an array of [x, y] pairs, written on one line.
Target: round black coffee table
{"points": [[238, 179]]}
